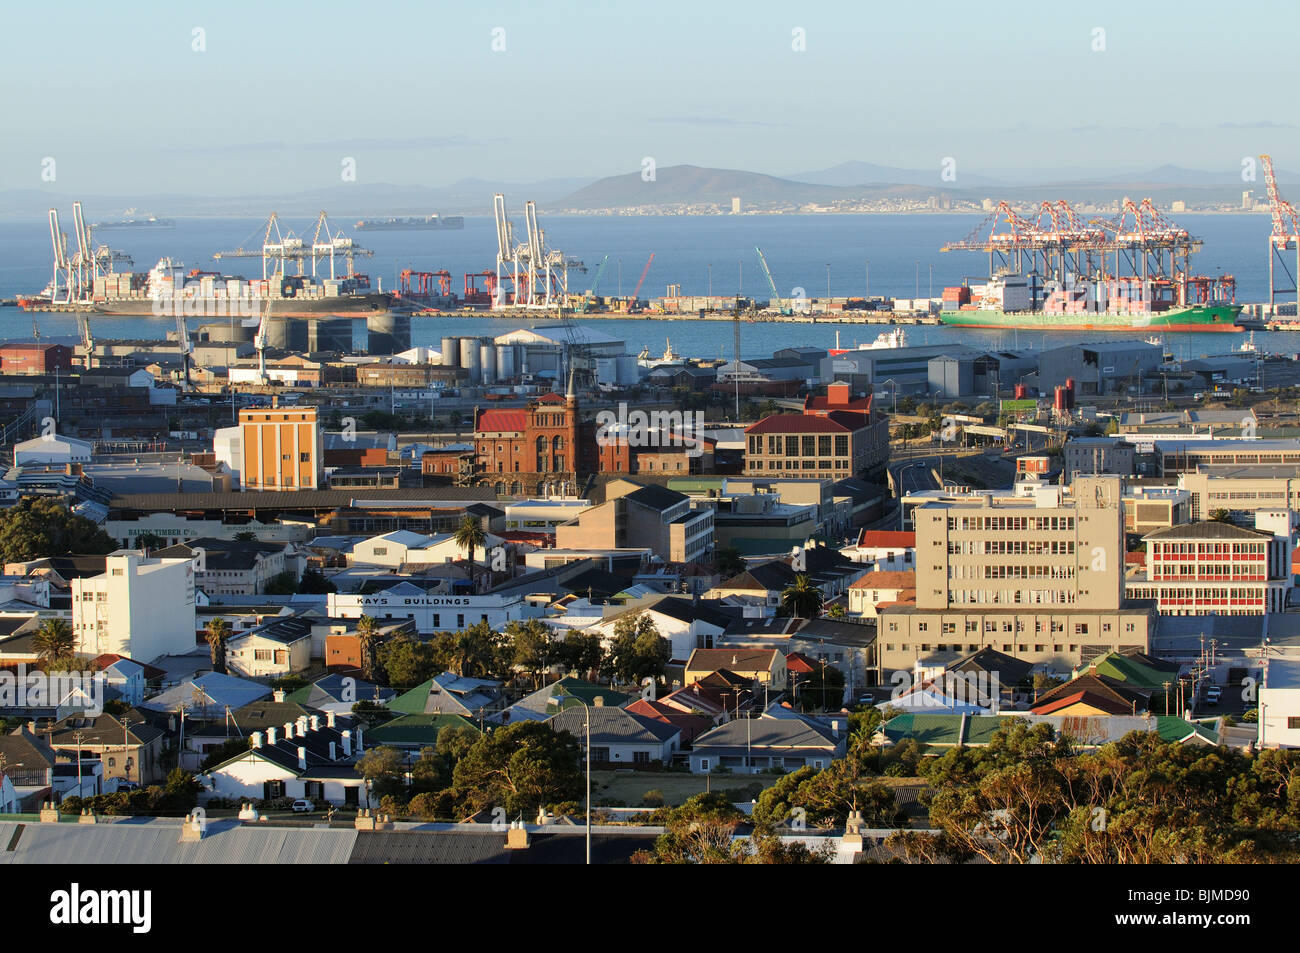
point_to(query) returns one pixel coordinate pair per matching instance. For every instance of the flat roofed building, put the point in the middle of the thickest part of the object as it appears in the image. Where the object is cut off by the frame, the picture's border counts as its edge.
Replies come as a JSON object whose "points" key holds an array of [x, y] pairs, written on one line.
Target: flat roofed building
{"points": [[280, 449], [1213, 569]]}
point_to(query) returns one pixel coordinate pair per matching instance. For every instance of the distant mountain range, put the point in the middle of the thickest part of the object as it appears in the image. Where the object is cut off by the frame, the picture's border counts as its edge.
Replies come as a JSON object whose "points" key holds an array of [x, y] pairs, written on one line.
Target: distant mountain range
{"points": [[680, 185]]}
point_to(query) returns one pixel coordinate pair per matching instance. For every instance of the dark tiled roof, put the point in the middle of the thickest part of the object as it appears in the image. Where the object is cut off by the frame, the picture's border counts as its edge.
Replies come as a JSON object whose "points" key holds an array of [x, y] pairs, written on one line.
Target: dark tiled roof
{"points": [[612, 726], [655, 497], [1209, 530]]}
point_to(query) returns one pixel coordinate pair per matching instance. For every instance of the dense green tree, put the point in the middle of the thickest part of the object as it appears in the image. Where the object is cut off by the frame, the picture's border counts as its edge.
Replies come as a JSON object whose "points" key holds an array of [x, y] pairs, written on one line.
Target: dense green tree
{"points": [[367, 637], [520, 767], [531, 647], [383, 769], [470, 536], [37, 527], [314, 582], [637, 650], [409, 662], [581, 653], [728, 562], [149, 541]]}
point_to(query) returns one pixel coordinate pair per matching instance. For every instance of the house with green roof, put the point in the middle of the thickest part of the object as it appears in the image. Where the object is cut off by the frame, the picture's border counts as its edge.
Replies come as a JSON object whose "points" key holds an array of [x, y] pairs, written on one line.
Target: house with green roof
{"points": [[972, 731], [1143, 672], [417, 731], [450, 694], [569, 691]]}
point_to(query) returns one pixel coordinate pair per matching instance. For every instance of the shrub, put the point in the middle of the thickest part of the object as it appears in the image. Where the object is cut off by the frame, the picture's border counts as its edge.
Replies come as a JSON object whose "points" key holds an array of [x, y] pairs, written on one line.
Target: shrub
{"points": [[652, 798]]}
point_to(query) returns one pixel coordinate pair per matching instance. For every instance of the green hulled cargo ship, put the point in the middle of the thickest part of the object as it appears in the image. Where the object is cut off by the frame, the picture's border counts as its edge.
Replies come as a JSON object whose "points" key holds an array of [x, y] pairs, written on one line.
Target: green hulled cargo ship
{"points": [[1218, 317]]}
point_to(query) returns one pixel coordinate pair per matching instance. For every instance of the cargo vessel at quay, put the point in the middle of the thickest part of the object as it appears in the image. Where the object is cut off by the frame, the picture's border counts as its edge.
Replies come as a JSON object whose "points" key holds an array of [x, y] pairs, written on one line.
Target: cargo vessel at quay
{"points": [[1052, 270]]}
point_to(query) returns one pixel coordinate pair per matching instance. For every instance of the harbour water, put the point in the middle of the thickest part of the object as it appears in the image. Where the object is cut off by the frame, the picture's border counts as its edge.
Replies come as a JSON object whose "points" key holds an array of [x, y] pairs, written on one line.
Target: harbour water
{"points": [[895, 255]]}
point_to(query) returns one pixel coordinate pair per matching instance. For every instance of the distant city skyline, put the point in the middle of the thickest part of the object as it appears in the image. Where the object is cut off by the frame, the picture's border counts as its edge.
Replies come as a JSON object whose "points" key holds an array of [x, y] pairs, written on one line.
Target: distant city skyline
{"points": [[235, 100]]}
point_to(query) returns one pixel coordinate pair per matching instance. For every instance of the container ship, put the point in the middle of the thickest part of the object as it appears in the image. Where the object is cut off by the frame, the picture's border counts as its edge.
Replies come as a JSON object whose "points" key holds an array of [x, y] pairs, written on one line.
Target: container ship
{"points": [[411, 223], [168, 288], [1084, 304], [135, 220]]}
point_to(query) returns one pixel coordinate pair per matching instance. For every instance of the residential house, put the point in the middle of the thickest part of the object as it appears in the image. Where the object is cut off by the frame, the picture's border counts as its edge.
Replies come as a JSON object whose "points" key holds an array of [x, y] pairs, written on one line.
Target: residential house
{"points": [[338, 692], [302, 759], [764, 666], [619, 737], [686, 626], [233, 567], [450, 694], [768, 743], [280, 647], [129, 747]]}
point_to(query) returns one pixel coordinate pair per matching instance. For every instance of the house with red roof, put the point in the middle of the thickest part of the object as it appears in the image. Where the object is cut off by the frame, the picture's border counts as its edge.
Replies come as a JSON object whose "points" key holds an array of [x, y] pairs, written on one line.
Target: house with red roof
{"points": [[881, 587]]}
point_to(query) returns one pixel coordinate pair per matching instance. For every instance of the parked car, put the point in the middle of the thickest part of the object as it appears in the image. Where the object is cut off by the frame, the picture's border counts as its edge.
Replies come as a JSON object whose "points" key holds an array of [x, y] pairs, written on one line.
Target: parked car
{"points": [[1213, 694], [303, 806]]}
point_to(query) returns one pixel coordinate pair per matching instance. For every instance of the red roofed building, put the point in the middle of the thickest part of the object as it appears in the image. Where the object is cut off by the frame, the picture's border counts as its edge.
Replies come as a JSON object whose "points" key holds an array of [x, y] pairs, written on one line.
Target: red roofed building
{"points": [[539, 448], [880, 587], [830, 444], [690, 723]]}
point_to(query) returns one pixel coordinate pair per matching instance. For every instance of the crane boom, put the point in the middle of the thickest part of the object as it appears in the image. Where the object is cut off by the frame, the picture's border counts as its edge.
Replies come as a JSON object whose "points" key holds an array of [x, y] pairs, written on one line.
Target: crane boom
{"points": [[767, 273], [644, 271]]}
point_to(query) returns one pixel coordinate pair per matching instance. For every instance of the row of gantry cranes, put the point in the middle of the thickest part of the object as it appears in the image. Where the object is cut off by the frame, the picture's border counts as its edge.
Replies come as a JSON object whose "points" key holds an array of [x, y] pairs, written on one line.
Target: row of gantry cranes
{"points": [[1140, 243]]}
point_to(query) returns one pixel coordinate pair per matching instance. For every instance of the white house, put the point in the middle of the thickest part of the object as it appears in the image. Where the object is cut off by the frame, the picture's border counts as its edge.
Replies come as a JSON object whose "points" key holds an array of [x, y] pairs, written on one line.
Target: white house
{"points": [[687, 627], [139, 606], [8, 796], [127, 676], [307, 758], [878, 587], [394, 549], [280, 647]]}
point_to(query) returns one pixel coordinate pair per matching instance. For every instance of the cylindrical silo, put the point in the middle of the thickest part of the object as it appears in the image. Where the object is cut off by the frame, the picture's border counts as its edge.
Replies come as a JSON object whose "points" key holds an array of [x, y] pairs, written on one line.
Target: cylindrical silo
{"points": [[469, 358], [506, 369], [487, 356], [450, 352]]}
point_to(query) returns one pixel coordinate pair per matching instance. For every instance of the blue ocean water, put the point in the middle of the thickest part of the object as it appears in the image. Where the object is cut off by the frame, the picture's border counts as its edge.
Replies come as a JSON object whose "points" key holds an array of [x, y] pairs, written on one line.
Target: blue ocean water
{"points": [[896, 255]]}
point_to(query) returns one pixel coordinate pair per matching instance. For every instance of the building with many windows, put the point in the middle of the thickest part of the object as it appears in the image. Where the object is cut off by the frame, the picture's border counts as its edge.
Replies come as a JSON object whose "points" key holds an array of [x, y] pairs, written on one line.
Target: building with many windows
{"points": [[1038, 577], [280, 449], [1214, 569], [138, 607]]}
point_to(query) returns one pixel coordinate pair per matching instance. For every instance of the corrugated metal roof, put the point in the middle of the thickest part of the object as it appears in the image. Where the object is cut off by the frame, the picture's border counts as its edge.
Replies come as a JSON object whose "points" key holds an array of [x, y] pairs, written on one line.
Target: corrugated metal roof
{"points": [[157, 841]]}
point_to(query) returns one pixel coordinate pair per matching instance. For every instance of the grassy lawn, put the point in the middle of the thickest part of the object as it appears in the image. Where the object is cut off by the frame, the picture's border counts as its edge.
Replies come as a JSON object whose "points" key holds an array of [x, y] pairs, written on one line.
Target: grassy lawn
{"points": [[627, 788]]}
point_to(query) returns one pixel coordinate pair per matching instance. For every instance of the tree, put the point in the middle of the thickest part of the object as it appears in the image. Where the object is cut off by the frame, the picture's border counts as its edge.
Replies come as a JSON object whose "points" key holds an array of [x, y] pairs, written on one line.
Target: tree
{"points": [[37, 527], [520, 767], [477, 652], [1221, 516], [530, 647], [383, 769], [837, 612], [469, 536], [407, 662], [217, 633], [313, 581], [637, 651], [246, 536], [801, 599], [823, 688], [728, 562], [703, 831], [581, 652], [367, 633], [148, 541], [281, 584], [54, 642]]}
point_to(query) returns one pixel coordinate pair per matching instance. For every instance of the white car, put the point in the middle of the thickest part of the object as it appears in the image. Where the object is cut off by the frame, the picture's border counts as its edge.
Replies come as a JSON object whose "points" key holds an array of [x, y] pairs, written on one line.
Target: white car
{"points": [[303, 806], [1213, 694]]}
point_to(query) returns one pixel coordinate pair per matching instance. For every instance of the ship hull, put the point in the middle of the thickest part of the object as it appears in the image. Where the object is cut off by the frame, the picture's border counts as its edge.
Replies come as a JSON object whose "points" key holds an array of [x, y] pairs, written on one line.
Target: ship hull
{"points": [[1197, 318], [298, 307]]}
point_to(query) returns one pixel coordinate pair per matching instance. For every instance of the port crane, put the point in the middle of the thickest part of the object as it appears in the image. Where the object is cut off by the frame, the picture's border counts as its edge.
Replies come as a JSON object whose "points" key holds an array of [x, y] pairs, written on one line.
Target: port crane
{"points": [[538, 274], [281, 246], [590, 297], [1285, 237], [259, 342]]}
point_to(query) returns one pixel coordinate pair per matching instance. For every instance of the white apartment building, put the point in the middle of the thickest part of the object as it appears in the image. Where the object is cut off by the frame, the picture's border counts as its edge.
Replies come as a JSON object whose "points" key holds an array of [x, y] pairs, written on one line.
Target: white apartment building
{"points": [[139, 607]]}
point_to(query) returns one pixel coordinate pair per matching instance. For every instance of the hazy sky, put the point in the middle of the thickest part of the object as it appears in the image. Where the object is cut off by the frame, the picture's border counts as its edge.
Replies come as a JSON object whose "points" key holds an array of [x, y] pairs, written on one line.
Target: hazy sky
{"points": [[416, 94]]}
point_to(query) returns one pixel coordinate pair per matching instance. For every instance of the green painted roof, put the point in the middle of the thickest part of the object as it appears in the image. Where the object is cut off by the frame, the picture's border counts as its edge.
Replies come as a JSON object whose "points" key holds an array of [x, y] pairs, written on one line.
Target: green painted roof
{"points": [[695, 484], [942, 729], [412, 702], [570, 689], [1131, 671], [1173, 728], [414, 729]]}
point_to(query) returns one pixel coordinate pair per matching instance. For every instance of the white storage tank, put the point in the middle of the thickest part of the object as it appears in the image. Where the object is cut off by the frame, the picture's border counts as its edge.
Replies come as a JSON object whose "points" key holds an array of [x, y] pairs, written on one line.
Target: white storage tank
{"points": [[507, 367], [469, 358], [450, 352], [487, 356]]}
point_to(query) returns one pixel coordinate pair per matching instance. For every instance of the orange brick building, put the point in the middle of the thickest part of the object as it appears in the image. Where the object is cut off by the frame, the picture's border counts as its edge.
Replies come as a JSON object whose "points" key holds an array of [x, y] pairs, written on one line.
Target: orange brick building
{"points": [[281, 448]]}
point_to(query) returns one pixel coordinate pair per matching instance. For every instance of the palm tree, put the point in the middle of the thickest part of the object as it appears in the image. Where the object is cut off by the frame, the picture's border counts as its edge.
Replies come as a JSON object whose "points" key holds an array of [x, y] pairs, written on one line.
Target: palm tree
{"points": [[469, 536], [218, 631], [801, 599], [367, 632], [54, 642]]}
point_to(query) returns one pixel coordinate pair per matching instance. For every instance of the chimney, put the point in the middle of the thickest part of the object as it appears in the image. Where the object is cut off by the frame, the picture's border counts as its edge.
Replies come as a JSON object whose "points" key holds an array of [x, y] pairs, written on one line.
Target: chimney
{"points": [[347, 743], [256, 739], [278, 696], [271, 737], [288, 730], [302, 759], [302, 726], [313, 723], [333, 754], [329, 718], [360, 744]]}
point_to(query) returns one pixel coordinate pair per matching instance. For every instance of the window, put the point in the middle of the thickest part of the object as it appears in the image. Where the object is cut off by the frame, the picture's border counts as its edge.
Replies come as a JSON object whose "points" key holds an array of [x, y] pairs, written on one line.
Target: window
{"points": [[1292, 723], [304, 457], [640, 757], [704, 764]]}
